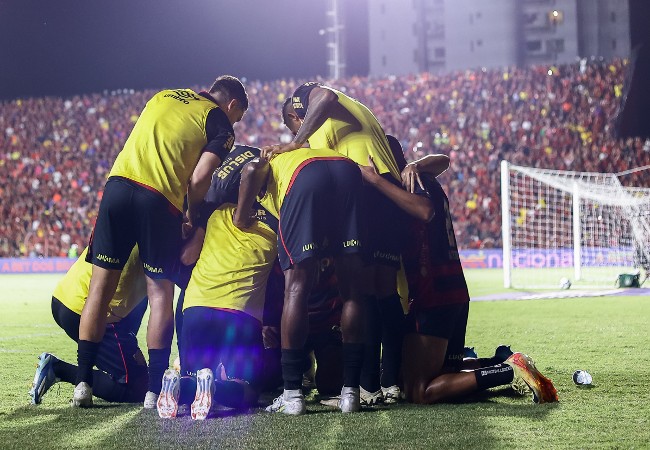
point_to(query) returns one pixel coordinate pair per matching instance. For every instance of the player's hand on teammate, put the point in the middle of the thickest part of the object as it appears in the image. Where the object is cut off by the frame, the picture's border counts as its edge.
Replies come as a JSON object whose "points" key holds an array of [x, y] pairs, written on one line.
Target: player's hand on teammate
{"points": [[192, 248], [369, 172], [271, 336], [242, 219], [269, 151], [410, 176]]}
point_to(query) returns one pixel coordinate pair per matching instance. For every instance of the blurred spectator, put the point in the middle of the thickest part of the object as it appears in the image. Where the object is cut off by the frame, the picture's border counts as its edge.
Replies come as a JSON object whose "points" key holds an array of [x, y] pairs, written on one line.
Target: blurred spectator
{"points": [[55, 153]]}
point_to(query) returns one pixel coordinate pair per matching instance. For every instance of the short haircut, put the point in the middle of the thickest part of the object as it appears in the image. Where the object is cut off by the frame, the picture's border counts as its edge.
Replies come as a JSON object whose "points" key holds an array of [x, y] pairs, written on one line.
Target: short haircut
{"points": [[232, 88], [285, 109], [397, 151]]}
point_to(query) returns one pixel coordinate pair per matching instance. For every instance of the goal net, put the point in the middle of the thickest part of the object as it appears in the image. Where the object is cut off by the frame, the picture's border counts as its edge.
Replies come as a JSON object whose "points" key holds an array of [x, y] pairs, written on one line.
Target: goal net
{"points": [[585, 227]]}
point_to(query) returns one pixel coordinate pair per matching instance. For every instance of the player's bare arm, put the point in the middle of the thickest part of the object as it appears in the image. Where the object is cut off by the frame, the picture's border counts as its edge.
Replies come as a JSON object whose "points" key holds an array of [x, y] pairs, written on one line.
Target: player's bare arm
{"points": [[419, 207], [432, 164], [200, 183], [253, 178]]}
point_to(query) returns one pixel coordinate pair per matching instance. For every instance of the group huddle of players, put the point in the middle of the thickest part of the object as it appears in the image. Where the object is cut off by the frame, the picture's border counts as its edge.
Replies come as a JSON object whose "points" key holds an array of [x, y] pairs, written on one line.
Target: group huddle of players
{"points": [[330, 248]]}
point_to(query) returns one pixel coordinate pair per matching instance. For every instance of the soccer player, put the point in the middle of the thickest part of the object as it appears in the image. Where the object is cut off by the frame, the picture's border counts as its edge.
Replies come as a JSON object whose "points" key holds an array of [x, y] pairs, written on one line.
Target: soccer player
{"points": [[315, 195], [180, 138], [327, 118], [221, 338], [122, 376], [437, 319]]}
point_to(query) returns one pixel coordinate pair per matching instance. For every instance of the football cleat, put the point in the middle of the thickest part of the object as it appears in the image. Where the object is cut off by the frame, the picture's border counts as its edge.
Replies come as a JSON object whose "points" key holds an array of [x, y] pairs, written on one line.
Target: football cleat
{"points": [[371, 398], [82, 396], [150, 400], [350, 400], [44, 378], [469, 352], [502, 352], [391, 394], [525, 370], [167, 403], [204, 392], [293, 404]]}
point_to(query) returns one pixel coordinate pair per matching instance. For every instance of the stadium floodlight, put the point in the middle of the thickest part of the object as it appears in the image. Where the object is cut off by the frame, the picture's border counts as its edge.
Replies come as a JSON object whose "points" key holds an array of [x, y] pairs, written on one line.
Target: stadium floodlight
{"points": [[582, 226]]}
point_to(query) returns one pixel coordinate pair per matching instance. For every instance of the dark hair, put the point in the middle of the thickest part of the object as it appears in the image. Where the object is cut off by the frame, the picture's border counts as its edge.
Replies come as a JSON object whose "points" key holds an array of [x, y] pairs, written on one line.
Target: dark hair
{"points": [[232, 88], [285, 109], [396, 150]]}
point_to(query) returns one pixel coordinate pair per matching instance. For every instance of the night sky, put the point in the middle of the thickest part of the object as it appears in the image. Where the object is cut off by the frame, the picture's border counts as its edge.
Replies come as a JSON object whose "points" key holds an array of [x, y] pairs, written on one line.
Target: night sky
{"points": [[66, 47]]}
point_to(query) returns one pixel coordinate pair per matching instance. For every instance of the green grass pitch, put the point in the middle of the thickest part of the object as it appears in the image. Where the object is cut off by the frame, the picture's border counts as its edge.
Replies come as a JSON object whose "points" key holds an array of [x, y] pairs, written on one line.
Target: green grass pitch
{"points": [[606, 336]]}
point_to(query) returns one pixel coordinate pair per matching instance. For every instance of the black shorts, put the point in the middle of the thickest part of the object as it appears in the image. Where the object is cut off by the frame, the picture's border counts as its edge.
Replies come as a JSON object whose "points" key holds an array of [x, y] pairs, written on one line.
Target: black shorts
{"points": [[321, 213], [446, 322], [385, 224], [211, 336], [130, 213], [118, 355]]}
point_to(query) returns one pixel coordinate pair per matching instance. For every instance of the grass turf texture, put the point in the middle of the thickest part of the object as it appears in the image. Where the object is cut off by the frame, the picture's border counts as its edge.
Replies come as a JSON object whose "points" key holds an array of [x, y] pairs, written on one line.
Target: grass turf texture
{"points": [[606, 336]]}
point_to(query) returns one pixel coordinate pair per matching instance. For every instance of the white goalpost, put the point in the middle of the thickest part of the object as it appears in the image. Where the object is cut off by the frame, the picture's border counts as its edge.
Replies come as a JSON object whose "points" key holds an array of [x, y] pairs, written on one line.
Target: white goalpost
{"points": [[585, 227]]}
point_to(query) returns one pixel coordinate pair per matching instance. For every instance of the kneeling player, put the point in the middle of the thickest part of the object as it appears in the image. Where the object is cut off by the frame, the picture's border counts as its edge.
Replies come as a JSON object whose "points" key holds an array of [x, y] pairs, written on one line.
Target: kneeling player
{"points": [[221, 338], [315, 195], [434, 342], [122, 375]]}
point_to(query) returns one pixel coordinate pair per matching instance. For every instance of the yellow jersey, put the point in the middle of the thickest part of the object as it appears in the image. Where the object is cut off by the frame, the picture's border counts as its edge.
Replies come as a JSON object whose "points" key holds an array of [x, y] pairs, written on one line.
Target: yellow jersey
{"points": [[284, 167], [234, 265], [356, 141], [72, 290], [168, 139]]}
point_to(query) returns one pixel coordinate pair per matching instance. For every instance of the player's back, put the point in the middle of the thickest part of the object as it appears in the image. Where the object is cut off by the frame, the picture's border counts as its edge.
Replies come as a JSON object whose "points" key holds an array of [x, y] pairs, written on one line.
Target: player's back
{"points": [[356, 137], [284, 166], [72, 290], [166, 143]]}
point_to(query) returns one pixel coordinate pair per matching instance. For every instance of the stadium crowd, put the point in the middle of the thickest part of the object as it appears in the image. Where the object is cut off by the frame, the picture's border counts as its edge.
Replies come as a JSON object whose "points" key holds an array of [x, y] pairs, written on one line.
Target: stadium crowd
{"points": [[56, 153]]}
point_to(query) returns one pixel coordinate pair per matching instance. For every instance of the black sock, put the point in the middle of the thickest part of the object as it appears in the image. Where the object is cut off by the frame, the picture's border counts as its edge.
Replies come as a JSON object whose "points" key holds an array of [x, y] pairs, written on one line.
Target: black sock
{"points": [[352, 364], [488, 377], [370, 371], [158, 363], [488, 362], [86, 357], [293, 366], [65, 371], [392, 320]]}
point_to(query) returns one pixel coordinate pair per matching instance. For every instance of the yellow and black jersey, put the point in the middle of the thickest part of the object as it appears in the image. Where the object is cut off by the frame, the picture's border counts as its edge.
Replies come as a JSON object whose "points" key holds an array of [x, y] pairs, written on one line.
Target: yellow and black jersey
{"points": [[284, 168], [355, 140], [224, 187], [72, 290], [175, 127], [234, 265]]}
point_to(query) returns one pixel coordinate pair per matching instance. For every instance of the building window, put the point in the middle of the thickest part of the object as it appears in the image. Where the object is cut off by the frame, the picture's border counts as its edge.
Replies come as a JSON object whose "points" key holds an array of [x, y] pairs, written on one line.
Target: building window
{"points": [[439, 52], [612, 16], [383, 60], [613, 44], [555, 45], [534, 46]]}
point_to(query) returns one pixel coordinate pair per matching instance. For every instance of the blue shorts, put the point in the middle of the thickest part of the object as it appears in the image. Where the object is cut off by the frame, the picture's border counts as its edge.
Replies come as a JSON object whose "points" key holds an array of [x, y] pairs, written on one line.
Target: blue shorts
{"points": [[211, 336]]}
